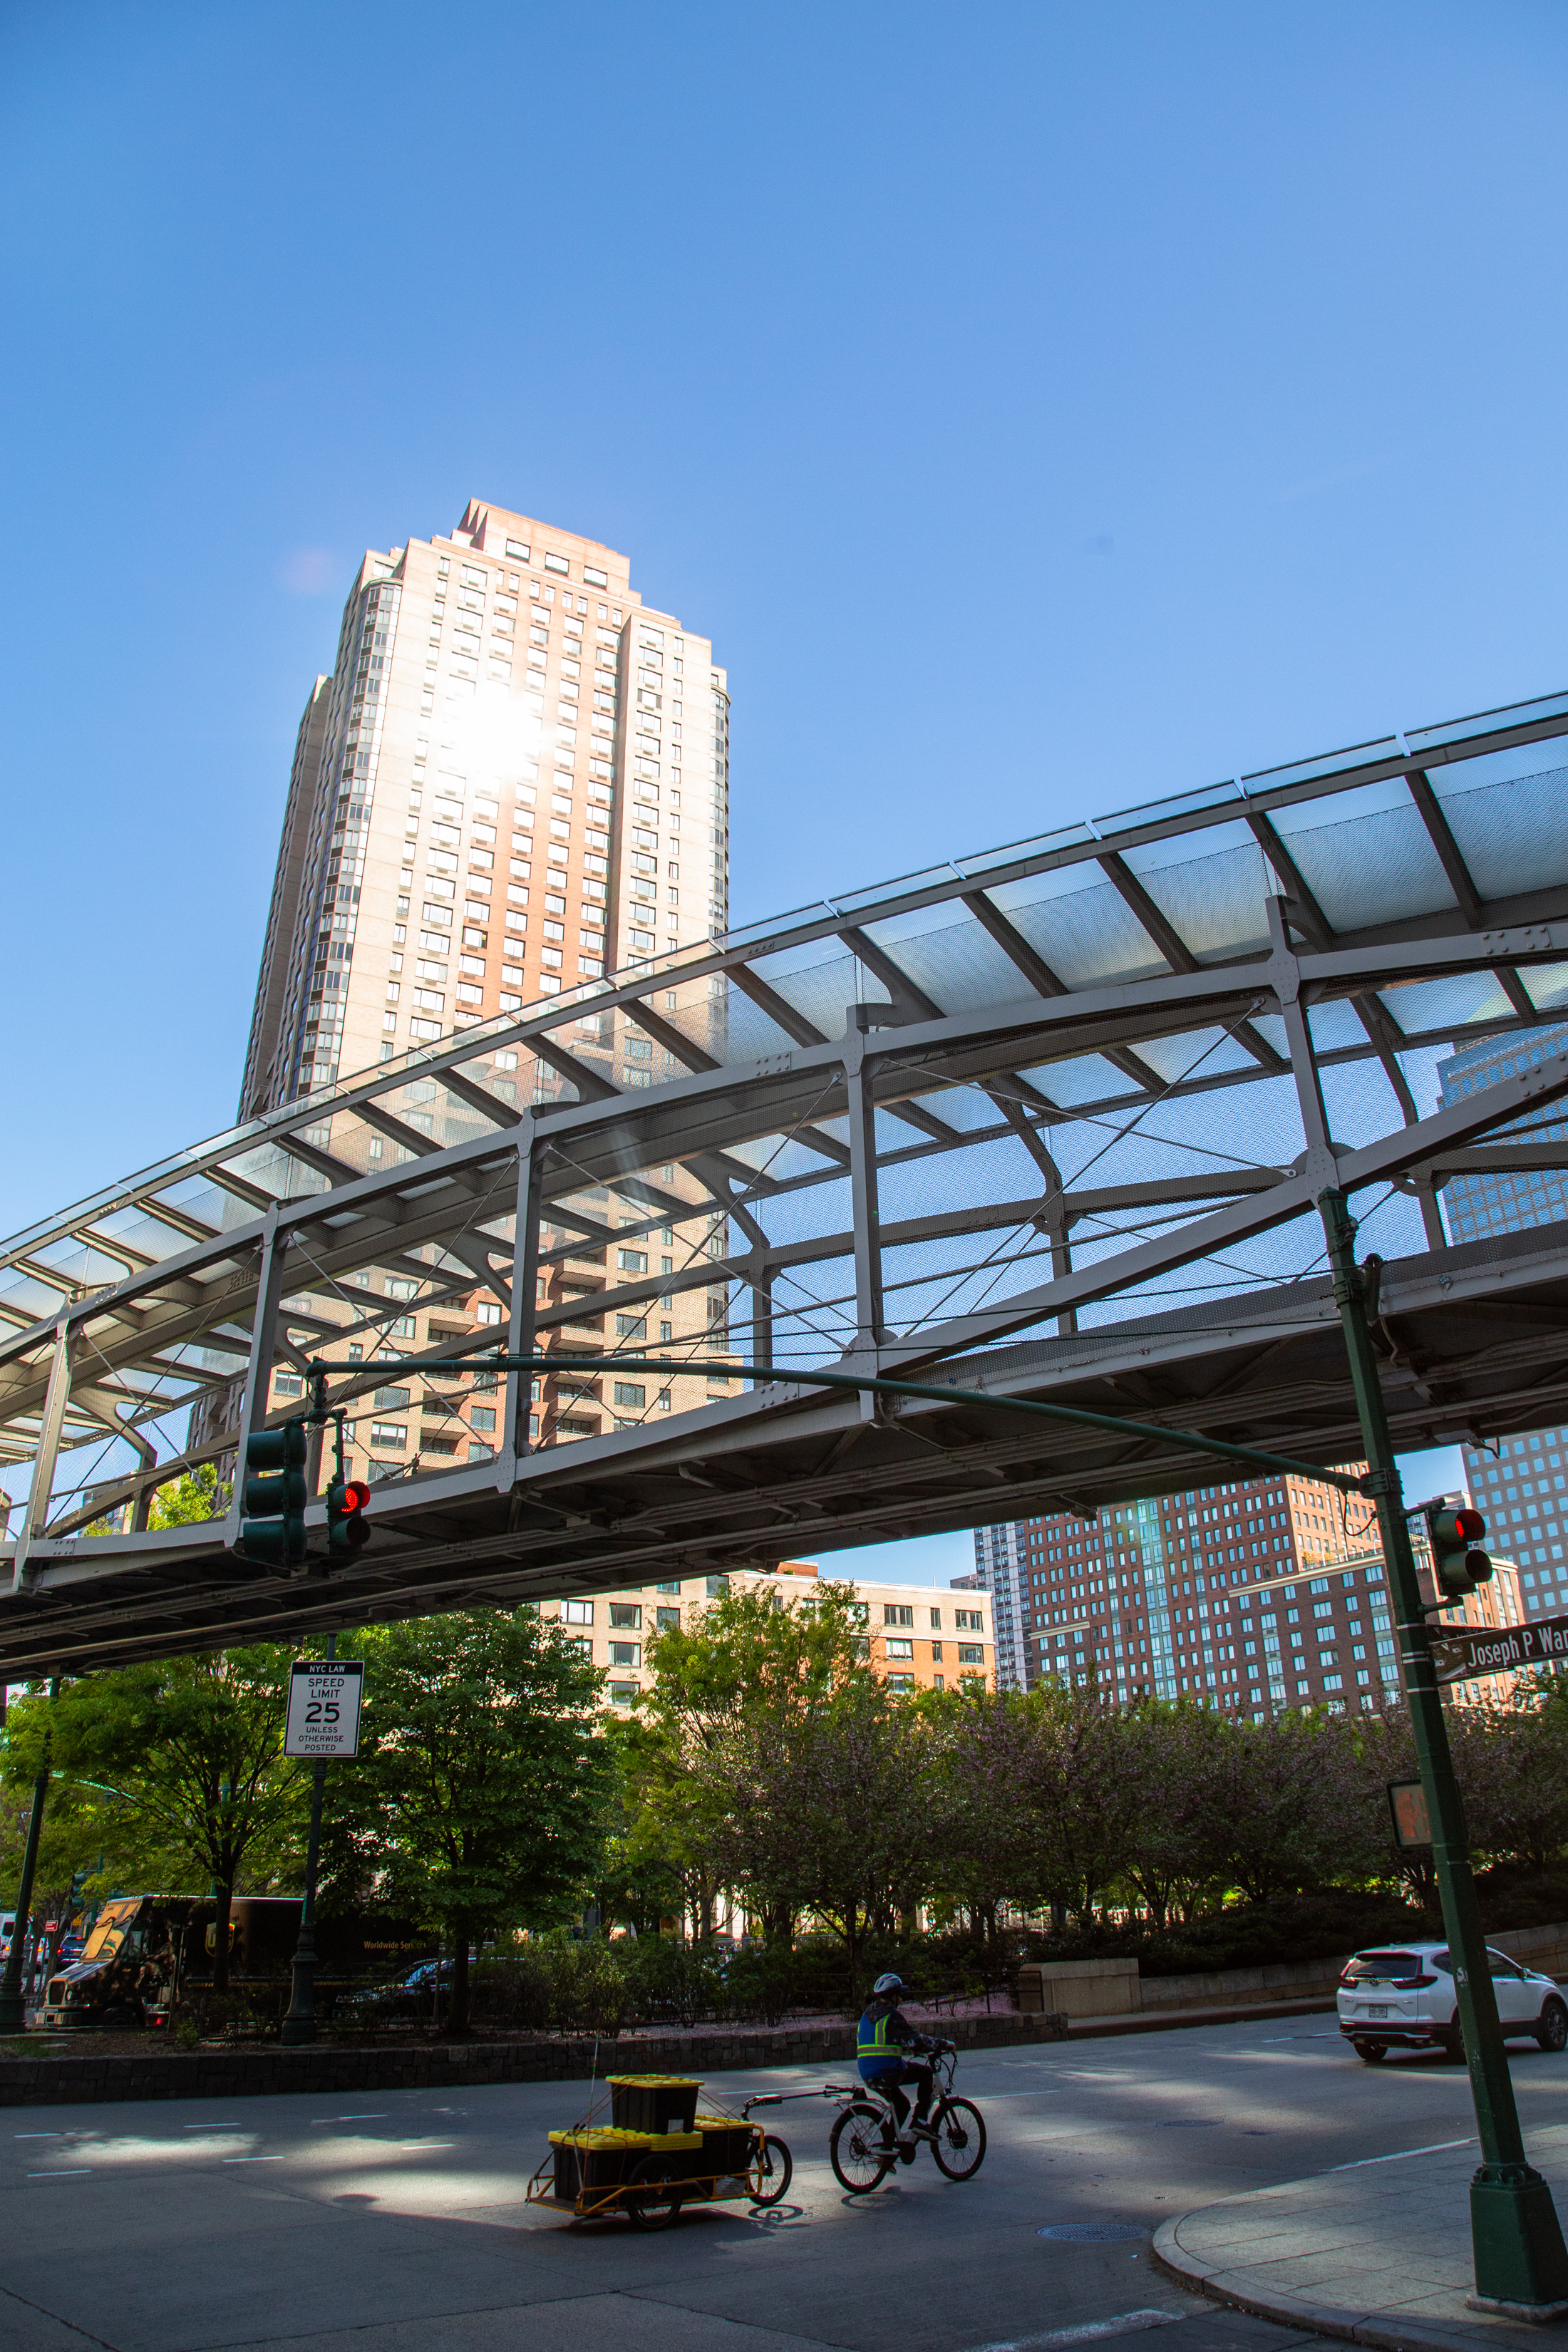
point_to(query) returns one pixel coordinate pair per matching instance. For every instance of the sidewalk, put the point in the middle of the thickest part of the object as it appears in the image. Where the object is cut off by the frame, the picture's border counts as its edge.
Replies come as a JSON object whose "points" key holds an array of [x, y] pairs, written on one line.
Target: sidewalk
{"points": [[1377, 2251]]}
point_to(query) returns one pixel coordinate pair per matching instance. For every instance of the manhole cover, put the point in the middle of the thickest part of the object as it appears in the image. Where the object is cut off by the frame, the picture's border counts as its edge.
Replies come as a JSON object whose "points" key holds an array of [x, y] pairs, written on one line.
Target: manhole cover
{"points": [[1092, 2233]]}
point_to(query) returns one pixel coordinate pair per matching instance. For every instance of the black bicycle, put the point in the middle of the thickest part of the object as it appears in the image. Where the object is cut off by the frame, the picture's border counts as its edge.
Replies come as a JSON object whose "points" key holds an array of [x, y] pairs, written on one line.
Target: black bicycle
{"points": [[864, 2143]]}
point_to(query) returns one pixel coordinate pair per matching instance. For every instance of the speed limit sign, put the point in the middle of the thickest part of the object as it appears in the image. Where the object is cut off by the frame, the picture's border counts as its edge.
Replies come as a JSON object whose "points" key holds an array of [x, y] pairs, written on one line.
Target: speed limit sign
{"points": [[323, 1707]]}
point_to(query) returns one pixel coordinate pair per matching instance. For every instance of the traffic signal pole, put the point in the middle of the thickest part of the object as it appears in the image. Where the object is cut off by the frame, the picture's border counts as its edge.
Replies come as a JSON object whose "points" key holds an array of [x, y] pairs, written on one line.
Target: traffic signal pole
{"points": [[1520, 2263], [299, 2025]]}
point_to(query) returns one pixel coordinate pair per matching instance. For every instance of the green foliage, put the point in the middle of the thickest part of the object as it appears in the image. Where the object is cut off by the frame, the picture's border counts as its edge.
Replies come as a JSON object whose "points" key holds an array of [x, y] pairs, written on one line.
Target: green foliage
{"points": [[196, 1495], [176, 1769], [754, 1663], [482, 1792]]}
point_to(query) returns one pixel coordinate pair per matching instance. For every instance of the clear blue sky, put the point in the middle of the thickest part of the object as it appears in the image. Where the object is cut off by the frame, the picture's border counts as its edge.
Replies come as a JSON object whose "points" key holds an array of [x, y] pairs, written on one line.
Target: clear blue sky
{"points": [[1042, 408]]}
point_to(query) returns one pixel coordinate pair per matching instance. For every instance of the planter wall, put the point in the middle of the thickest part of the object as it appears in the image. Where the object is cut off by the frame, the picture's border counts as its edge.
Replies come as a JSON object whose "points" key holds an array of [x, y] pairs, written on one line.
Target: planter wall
{"points": [[166, 2073]]}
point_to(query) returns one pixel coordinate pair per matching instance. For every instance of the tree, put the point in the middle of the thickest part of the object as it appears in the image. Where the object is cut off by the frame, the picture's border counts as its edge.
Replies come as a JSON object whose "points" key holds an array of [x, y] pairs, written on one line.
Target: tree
{"points": [[1178, 1842], [828, 1810], [189, 1754], [484, 1782], [194, 1495], [981, 1757], [1078, 1804], [751, 1659], [1289, 1794]]}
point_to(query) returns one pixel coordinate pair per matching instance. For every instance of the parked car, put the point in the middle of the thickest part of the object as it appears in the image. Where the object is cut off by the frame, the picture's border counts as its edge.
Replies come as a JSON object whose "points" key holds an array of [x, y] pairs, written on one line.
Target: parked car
{"points": [[1407, 2000]]}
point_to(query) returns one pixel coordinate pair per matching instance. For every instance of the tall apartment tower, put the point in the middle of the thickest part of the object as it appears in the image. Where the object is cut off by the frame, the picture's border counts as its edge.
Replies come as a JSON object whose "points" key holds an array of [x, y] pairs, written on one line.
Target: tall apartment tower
{"points": [[1224, 1592], [515, 779], [1522, 1484]]}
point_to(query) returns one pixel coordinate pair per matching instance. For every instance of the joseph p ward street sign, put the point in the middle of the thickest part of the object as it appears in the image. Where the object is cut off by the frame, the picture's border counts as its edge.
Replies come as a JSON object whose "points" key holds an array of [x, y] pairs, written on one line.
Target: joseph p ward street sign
{"points": [[1492, 1650], [323, 1707]]}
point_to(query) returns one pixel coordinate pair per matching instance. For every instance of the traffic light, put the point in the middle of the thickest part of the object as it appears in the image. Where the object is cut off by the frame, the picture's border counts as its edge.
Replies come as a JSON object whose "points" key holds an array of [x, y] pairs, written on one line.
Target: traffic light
{"points": [[1457, 1566], [348, 1530], [272, 1518]]}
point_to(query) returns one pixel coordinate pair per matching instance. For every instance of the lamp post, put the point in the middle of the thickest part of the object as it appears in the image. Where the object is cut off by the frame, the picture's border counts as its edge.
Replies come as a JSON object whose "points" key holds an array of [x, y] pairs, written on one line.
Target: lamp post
{"points": [[1520, 2263]]}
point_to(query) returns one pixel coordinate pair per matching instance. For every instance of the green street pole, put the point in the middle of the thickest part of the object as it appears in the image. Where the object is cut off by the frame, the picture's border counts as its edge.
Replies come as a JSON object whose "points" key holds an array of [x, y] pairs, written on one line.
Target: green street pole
{"points": [[1520, 2265], [12, 2004], [299, 2025]]}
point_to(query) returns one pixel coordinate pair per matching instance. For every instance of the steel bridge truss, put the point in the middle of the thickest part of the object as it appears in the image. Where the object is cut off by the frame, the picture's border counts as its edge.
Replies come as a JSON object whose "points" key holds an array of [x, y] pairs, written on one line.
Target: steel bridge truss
{"points": [[1051, 1122]]}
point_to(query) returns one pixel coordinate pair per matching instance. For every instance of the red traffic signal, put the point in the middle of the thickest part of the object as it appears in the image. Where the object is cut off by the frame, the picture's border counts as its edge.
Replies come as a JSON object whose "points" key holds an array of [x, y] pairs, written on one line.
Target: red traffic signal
{"points": [[348, 1530], [1456, 1566]]}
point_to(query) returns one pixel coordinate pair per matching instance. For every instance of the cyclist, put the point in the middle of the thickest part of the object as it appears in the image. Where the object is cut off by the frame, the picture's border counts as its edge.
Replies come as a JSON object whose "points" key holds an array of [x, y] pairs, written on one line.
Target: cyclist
{"points": [[886, 2042]]}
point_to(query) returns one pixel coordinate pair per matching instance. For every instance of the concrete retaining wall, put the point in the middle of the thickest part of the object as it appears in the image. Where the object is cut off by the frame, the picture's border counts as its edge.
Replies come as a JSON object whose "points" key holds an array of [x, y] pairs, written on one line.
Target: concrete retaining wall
{"points": [[167, 2073], [1115, 1988]]}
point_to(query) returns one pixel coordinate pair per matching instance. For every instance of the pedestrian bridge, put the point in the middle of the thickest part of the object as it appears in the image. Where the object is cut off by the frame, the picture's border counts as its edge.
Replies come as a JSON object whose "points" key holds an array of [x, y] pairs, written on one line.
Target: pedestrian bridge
{"points": [[1048, 1122]]}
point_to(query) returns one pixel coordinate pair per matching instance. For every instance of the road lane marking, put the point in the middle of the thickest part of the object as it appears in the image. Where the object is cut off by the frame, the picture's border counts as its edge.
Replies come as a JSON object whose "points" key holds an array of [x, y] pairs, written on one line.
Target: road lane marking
{"points": [[253, 2159], [1126, 2323], [1436, 2148], [75, 2172], [38, 2134], [377, 2119], [234, 2127]]}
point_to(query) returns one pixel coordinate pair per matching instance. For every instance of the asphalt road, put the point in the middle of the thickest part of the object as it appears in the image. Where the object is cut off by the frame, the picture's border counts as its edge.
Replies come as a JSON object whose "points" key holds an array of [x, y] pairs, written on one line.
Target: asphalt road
{"points": [[397, 2221]]}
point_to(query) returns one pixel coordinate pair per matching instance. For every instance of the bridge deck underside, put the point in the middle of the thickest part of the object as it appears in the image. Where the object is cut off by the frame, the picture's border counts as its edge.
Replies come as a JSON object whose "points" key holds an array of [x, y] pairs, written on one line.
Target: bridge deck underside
{"points": [[1473, 1340]]}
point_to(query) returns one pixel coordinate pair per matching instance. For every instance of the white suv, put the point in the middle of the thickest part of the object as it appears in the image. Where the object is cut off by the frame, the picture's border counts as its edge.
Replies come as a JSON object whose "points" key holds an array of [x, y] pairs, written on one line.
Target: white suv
{"points": [[1405, 1998]]}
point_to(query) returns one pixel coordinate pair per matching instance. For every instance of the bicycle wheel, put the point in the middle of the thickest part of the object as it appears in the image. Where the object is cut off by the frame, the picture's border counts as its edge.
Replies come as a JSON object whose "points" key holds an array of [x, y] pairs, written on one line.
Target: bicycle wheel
{"points": [[959, 2146], [648, 2200], [860, 2152], [774, 2171]]}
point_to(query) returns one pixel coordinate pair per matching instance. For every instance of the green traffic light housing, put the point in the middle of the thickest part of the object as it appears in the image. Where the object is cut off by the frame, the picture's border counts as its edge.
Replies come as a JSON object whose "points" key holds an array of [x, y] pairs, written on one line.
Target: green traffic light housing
{"points": [[272, 1512], [1456, 1563]]}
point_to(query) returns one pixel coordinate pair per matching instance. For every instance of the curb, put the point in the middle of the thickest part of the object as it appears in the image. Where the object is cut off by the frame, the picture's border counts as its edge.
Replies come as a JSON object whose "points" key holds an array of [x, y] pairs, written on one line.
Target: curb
{"points": [[1292, 2311], [1089, 2029]]}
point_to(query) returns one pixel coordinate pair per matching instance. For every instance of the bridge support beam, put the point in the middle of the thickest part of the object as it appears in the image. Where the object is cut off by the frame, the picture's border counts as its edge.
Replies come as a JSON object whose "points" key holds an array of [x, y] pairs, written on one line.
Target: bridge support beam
{"points": [[533, 1155], [859, 1069], [56, 1400]]}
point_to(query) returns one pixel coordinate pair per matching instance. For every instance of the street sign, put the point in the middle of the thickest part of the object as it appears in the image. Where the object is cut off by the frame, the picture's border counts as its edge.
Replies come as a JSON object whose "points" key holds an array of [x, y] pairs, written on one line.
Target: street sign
{"points": [[1458, 1654], [323, 1707]]}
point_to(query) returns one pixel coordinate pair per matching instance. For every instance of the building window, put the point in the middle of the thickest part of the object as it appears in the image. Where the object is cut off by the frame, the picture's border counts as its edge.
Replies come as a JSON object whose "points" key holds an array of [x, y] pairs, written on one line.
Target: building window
{"points": [[556, 563], [630, 1391], [668, 1619], [897, 1612], [626, 1653], [390, 1401], [626, 1615], [517, 551], [576, 1613], [936, 1620], [623, 1694], [970, 1653], [900, 1682], [897, 1649], [388, 1434], [935, 1649], [482, 1416]]}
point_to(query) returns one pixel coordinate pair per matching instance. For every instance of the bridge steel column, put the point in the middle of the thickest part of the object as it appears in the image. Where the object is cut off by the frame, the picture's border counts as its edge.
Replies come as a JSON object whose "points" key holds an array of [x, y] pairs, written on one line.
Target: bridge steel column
{"points": [[58, 1396], [533, 1154], [859, 1071]]}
